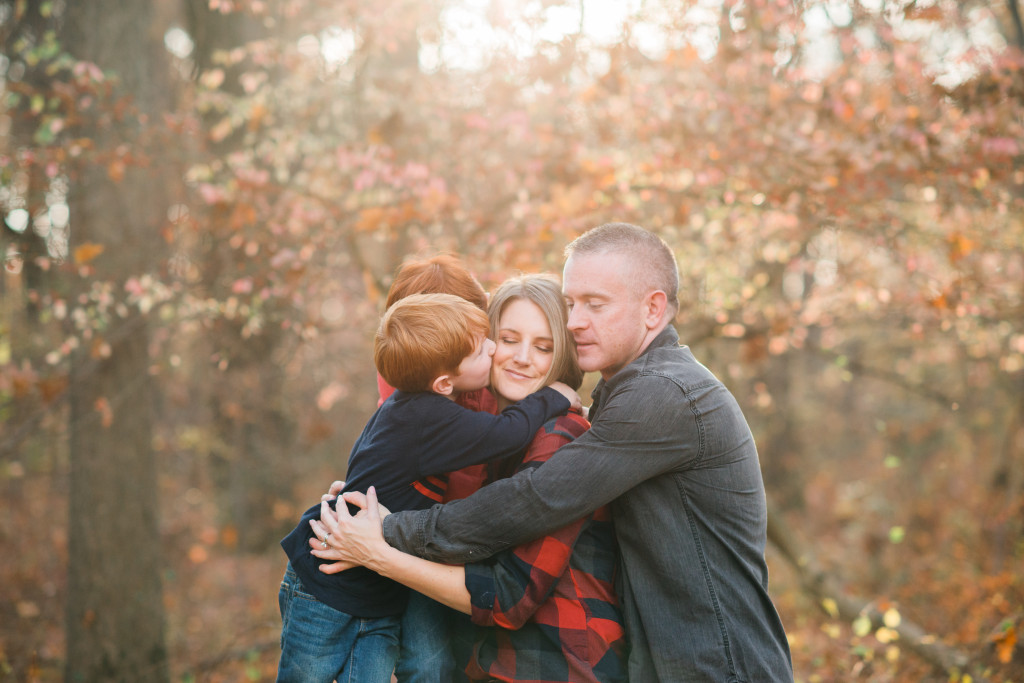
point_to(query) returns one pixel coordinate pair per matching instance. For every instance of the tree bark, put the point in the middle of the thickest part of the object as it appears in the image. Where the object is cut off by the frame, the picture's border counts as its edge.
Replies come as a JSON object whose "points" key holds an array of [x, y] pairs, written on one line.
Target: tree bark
{"points": [[115, 617]]}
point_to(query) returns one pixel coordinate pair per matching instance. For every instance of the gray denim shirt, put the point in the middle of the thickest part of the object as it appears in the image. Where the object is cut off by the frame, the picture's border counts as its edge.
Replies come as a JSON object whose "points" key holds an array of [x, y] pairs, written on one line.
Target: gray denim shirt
{"points": [[671, 452]]}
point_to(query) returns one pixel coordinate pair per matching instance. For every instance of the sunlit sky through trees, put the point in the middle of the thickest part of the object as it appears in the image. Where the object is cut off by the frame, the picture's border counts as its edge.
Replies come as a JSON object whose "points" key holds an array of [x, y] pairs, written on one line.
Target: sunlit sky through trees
{"points": [[472, 31]]}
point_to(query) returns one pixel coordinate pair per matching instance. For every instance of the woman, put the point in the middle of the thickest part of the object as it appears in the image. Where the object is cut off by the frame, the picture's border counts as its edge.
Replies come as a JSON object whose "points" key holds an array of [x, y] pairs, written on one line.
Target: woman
{"points": [[545, 610]]}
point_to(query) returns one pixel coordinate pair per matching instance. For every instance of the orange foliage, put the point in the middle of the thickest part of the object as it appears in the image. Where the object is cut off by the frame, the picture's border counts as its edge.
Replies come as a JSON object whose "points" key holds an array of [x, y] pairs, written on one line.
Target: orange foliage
{"points": [[849, 244], [84, 253]]}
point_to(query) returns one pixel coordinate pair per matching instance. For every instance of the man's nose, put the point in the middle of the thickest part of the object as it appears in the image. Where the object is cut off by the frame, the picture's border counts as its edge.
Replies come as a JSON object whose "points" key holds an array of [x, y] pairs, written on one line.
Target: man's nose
{"points": [[576, 318]]}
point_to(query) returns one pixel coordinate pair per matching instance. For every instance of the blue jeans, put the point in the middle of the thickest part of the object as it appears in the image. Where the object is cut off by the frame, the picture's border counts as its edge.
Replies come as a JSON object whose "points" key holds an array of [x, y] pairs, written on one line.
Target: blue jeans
{"points": [[426, 654], [319, 644]]}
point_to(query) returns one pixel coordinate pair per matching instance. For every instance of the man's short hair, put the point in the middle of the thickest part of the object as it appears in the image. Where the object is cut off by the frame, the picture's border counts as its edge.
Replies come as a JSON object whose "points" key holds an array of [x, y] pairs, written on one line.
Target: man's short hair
{"points": [[654, 263], [443, 273], [424, 336]]}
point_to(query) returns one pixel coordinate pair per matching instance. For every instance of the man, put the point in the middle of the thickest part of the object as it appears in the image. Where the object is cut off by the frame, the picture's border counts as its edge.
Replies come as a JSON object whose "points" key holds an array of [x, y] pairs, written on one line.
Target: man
{"points": [[671, 452]]}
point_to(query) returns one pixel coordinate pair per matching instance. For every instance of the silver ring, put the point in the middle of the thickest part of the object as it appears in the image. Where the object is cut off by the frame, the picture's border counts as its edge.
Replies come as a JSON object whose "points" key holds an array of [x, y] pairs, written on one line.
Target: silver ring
{"points": [[323, 543]]}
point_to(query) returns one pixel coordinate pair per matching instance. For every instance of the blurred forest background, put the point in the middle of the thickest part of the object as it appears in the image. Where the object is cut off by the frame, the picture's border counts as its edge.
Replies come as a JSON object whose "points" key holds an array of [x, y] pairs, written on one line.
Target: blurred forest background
{"points": [[203, 202]]}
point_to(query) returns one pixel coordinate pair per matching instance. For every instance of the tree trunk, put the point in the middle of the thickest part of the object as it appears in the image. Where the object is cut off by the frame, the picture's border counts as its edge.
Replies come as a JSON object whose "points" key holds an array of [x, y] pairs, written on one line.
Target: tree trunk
{"points": [[115, 628]]}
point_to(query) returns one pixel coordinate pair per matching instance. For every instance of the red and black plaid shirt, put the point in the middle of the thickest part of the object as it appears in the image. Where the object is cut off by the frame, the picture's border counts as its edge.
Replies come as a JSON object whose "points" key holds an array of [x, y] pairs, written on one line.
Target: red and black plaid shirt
{"points": [[550, 603]]}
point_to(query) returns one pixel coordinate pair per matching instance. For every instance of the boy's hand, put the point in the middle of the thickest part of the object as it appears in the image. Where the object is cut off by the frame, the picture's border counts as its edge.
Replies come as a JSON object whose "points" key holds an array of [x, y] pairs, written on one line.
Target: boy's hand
{"points": [[573, 397], [333, 492]]}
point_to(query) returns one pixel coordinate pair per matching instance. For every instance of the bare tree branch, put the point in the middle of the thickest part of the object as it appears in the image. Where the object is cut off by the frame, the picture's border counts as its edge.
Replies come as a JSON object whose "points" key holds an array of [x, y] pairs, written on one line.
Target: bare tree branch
{"points": [[1018, 25], [825, 587]]}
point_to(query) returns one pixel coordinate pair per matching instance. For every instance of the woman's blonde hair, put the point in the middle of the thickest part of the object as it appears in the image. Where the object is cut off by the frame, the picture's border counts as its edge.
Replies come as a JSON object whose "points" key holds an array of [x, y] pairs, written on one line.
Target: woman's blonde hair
{"points": [[546, 292]]}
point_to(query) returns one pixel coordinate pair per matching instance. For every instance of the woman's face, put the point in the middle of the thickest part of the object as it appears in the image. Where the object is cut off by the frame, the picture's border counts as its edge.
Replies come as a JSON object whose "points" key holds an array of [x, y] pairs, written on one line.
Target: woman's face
{"points": [[524, 352]]}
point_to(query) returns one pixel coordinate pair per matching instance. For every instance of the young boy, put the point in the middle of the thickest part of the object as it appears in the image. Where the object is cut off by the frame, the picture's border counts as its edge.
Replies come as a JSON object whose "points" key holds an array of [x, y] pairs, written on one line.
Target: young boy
{"points": [[425, 650], [430, 347]]}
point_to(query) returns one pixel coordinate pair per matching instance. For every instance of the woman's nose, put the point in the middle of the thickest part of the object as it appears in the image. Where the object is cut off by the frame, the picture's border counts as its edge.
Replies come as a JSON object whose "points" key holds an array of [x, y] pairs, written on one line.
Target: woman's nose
{"points": [[522, 354]]}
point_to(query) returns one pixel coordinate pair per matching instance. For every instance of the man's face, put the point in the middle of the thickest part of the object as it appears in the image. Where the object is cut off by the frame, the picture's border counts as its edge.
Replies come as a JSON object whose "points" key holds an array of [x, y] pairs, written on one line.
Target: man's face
{"points": [[607, 316]]}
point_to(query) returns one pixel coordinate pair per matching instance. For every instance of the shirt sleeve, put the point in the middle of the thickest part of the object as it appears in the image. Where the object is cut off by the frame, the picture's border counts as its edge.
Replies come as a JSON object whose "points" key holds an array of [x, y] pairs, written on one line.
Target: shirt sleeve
{"points": [[509, 588], [624, 447], [477, 437]]}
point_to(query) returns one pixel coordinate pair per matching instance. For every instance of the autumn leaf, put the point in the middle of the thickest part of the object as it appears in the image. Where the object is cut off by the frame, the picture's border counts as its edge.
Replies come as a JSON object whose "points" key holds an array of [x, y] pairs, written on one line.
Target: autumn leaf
{"points": [[959, 247], [99, 348], [197, 554], [1005, 643], [229, 536], [329, 395], [87, 252], [370, 219], [102, 406], [52, 387], [319, 430], [115, 170], [372, 291], [915, 12], [222, 129], [242, 286], [21, 383], [256, 116]]}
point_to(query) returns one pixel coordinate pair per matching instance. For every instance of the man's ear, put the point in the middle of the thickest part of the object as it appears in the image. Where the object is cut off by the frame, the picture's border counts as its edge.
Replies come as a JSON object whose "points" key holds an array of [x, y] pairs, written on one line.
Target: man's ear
{"points": [[442, 385], [655, 305]]}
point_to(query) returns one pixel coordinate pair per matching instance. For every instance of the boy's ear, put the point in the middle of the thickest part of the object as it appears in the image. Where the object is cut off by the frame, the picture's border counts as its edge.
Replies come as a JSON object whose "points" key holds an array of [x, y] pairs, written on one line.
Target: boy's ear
{"points": [[442, 385]]}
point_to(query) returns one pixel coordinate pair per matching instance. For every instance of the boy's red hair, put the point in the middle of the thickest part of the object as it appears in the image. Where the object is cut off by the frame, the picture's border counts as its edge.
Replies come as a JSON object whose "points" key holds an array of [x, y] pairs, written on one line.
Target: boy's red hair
{"points": [[424, 336], [443, 273]]}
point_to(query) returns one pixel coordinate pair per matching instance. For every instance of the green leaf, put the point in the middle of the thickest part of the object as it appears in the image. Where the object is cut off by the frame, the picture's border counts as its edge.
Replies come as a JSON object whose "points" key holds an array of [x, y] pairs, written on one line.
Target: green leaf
{"points": [[44, 134]]}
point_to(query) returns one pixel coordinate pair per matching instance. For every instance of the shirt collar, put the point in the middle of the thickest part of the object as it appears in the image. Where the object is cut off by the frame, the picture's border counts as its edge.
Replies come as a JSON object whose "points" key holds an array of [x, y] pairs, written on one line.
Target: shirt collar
{"points": [[667, 337]]}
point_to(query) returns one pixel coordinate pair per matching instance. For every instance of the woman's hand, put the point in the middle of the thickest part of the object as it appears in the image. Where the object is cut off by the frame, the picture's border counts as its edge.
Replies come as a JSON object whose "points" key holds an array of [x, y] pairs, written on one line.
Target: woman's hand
{"points": [[351, 541]]}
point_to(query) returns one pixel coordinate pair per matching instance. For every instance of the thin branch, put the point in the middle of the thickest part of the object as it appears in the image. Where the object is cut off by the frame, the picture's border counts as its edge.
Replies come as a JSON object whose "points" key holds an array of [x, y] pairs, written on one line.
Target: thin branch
{"points": [[858, 368], [826, 588], [1018, 25]]}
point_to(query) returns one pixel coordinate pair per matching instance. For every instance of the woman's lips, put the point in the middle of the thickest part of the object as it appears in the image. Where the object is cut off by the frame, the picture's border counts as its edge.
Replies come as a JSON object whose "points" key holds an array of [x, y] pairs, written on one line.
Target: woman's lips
{"points": [[517, 375]]}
